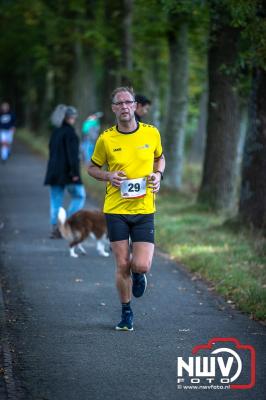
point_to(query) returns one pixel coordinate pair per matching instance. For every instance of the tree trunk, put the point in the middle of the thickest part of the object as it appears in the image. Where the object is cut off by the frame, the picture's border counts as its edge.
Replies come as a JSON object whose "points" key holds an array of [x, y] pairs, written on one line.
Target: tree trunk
{"points": [[127, 42], [46, 100], [63, 75], [151, 79], [110, 82], [253, 188], [33, 103], [197, 149], [127, 37], [84, 97], [176, 113], [242, 139], [218, 187], [111, 74]]}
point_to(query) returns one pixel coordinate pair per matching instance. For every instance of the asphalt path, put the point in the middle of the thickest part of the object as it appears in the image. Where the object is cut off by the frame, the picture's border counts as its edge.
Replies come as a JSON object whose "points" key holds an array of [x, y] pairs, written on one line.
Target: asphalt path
{"points": [[58, 314]]}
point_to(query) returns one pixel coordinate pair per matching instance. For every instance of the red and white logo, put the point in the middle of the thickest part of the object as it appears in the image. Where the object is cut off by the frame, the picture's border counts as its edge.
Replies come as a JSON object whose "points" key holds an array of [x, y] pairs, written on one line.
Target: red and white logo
{"points": [[222, 363]]}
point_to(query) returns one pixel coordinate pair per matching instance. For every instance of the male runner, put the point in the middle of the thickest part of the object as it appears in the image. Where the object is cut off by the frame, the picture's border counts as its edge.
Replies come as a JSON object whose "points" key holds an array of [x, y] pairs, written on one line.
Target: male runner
{"points": [[135, 163]]}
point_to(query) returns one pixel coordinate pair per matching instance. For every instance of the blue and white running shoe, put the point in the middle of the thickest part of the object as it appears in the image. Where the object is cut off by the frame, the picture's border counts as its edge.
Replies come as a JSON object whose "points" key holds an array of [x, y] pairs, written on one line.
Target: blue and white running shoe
{"points": [[139, 284], [126, 323]]}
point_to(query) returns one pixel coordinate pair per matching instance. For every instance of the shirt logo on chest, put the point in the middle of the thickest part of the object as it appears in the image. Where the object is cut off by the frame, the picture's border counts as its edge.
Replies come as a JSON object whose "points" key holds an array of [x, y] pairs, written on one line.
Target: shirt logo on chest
{"points": [[117, 149], [145, 146]]}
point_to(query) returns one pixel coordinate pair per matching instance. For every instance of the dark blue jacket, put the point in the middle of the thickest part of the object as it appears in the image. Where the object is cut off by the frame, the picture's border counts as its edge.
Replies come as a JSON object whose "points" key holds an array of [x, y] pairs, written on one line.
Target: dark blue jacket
{"points": [[7, 120], [63, 163]]}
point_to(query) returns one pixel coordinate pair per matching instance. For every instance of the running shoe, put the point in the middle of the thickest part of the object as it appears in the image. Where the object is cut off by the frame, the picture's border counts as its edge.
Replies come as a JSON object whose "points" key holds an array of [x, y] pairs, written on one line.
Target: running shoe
{"points": [[55, 234], [139, 284], [126, 323]]}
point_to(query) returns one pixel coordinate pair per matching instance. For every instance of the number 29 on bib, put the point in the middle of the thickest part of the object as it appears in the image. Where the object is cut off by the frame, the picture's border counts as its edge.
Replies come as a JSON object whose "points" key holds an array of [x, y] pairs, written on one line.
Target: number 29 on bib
{"points": [[133, 188]]}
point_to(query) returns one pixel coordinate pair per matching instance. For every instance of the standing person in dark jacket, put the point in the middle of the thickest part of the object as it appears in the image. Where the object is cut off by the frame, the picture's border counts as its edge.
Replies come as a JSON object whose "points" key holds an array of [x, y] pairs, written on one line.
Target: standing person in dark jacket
{"points": [[63, 170]]}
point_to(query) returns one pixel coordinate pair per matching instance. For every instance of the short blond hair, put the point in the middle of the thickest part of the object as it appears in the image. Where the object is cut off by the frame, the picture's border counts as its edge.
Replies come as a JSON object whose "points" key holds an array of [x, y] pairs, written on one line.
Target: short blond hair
{"points": [[122, 89]]}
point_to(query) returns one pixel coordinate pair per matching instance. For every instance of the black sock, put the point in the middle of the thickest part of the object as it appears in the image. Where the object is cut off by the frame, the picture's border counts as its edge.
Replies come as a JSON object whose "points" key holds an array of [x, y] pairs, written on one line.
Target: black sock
{"points": [[136, 274], [126, 306]]}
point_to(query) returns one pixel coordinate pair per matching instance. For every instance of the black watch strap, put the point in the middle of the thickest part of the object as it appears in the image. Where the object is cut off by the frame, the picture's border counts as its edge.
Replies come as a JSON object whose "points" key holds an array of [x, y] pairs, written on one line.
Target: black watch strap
{"points": [[160, 172]]}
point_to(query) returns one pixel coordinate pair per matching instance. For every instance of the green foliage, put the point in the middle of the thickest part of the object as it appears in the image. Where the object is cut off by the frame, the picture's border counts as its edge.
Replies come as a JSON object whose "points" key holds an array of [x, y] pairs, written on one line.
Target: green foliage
{"points": [[250, 17], [185, 7], [40, 35]]}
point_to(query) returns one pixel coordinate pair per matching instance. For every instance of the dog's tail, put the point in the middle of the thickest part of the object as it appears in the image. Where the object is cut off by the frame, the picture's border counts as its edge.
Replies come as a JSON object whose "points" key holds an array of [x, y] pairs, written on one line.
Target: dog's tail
{"points": [[63, 225], [62, 216]]}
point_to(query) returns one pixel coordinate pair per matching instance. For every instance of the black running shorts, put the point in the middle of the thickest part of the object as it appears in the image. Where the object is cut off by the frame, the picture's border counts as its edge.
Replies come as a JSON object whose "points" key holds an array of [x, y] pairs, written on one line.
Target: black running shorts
{"points": [[139, 227]]}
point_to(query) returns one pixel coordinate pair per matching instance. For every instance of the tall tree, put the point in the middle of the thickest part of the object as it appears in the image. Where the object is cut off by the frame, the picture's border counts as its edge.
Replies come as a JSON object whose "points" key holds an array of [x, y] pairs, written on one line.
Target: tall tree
{"points": [[198, 142], [218, 187], [84, 96], [181, 17], [198, 88], [110, 55], [253, 189], [174, 131], [150, 54], [252, 209], [127, 42], [85, 47]]}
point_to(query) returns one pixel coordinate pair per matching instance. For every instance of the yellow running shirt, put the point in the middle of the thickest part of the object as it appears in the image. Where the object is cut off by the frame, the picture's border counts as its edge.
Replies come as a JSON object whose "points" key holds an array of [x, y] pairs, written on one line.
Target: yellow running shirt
{"points": [[134, 154]]}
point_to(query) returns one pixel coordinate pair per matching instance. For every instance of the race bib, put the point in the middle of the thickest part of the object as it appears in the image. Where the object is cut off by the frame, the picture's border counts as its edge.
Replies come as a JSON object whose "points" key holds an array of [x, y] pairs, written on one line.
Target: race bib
{"points": [[133, 188]]}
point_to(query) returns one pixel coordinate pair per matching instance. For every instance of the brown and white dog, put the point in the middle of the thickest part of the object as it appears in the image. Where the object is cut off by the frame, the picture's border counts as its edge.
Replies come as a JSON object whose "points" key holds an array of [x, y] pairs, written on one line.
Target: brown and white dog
{"points": [[81, 225]]}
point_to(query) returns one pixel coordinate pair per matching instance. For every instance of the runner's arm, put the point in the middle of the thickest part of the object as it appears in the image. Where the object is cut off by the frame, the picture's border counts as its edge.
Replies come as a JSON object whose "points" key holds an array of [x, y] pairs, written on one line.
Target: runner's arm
{"points": [[115, 178], [159, 165], [155, 177]]}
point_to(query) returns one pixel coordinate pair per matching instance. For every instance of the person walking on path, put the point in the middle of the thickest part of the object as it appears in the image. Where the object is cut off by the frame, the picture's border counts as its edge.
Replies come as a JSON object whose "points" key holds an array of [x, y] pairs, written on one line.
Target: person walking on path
{"points": [[90, 132], [7, 129], [142, 106], [133, 154], [63, 169]]}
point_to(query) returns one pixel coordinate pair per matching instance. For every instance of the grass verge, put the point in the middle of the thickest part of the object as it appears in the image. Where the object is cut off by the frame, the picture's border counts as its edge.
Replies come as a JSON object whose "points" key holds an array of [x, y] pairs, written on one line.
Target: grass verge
{"points": [[232, 261]]}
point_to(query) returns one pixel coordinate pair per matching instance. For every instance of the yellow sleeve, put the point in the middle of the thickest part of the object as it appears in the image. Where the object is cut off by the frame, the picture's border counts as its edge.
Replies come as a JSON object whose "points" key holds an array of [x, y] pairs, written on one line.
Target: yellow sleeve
{"points": [[158, 149], [99, 154]]}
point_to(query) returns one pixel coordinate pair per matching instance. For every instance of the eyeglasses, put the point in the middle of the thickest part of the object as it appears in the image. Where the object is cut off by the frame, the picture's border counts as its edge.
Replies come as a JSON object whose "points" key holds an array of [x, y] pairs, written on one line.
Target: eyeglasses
{"points": [[127, 103]]}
